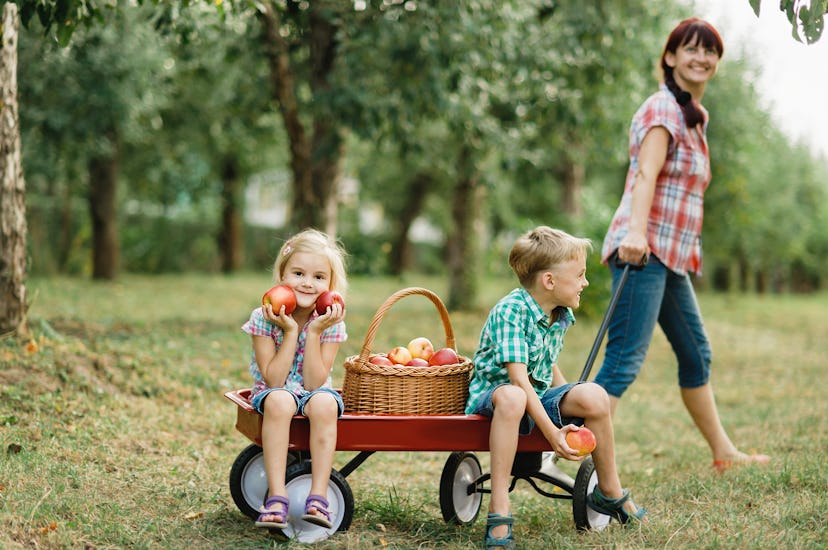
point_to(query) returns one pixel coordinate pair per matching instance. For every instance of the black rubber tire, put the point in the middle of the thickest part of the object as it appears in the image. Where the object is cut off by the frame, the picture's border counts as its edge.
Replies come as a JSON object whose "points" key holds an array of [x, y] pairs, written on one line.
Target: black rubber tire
{"points": [[461, 471], [248, 482], [586, 519]]}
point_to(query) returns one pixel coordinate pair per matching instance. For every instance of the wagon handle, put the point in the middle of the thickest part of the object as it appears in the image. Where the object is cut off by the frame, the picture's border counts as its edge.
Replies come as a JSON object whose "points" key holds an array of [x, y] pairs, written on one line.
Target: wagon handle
{"points": [[393, 299]]}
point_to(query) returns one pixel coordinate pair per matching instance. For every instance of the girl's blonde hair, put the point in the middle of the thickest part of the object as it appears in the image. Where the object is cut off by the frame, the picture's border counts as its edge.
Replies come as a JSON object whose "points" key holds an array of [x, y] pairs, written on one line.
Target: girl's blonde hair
{"points": [[542, 249], [313, 241]]}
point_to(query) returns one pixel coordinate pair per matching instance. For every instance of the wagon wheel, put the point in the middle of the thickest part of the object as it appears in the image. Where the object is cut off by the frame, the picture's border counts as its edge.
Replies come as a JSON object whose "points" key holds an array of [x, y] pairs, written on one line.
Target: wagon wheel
{"points": [[585, 481], [339, 495], [248, 481], [459, 498]]}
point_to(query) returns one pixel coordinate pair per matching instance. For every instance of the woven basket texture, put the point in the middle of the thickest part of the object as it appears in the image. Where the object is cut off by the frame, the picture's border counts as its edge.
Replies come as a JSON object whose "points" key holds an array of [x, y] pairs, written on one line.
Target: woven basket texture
{"points": [[405, 390]]}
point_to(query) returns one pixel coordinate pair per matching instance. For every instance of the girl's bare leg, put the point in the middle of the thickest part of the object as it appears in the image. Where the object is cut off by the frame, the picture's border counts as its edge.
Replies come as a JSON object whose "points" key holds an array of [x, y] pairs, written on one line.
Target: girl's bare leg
{"points": [[279, 408], [322, 411]]}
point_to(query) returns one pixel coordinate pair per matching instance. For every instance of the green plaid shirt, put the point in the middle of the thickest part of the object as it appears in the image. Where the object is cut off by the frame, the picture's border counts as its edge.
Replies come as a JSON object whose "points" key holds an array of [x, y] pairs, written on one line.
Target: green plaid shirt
{"points": [[517, 331]]}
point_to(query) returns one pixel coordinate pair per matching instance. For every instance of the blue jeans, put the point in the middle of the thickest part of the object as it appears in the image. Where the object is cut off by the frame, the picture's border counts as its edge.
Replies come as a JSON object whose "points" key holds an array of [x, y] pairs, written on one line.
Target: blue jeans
{"points": [[654, 294]]}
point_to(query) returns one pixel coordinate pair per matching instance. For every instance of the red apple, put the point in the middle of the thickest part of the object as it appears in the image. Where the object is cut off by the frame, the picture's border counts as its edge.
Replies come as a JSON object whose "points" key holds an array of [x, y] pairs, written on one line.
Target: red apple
{"points": [[328, 299], [278, 296], [444, 356], [582, 441], [380, 360], [417, 362], [400, 355], [421, 348]]}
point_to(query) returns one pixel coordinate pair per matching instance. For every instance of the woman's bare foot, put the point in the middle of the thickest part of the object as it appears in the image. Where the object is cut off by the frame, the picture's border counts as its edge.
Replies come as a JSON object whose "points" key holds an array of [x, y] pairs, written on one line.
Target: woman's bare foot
{"points": [[741, 459]]}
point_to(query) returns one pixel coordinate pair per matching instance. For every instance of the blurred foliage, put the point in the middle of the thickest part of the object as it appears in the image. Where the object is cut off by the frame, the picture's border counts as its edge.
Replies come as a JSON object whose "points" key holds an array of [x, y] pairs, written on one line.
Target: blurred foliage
{"points": [[533, 87]]}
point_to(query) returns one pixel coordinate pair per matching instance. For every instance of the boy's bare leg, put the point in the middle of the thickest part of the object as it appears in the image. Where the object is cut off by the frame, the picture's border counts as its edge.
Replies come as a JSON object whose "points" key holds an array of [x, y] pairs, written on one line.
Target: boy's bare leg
{"points": [[509, 406], [591, 402]]}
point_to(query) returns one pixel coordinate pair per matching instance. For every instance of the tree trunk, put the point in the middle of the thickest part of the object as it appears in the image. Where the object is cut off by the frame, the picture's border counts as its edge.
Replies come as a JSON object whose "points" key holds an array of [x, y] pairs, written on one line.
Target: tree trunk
{"points": [[230, 235], [103, 176], [721, 278], [744, 271], [460, 248], [761, 281], [416, 192], [314, 162], [12, 188], [66, 236], [571, 174]]}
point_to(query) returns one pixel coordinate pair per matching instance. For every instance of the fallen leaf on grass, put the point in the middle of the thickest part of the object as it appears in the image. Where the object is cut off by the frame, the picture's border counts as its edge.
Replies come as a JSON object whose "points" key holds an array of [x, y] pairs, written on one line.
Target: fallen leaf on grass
{"points": [[194, 515], [51, 527], [31, 347]]}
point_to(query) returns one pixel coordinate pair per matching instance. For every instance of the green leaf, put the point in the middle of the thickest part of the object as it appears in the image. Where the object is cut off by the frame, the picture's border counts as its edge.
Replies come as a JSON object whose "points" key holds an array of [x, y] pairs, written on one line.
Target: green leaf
{"points": [[755, 4], [45, 15], [64, 33]]}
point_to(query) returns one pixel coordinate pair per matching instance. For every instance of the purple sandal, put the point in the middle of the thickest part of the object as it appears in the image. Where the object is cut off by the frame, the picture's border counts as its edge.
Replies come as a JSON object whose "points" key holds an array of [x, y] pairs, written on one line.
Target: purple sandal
{"points": [[321, 505], [281, 512]]}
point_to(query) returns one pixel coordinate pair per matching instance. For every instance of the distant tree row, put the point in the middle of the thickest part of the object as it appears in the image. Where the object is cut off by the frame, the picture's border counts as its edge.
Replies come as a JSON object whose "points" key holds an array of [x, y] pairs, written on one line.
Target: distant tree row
{"points": [[477, 117]]}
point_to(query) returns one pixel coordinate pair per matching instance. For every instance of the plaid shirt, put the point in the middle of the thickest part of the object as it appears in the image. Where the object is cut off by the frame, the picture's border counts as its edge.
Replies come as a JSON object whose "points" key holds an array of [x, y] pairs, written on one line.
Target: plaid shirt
{"points": [[258, 326], [675, 223], [517, 331]]}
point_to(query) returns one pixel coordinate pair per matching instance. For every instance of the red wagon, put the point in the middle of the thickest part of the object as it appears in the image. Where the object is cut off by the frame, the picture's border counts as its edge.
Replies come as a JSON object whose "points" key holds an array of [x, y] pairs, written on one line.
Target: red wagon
{"points": [[462, 483]]}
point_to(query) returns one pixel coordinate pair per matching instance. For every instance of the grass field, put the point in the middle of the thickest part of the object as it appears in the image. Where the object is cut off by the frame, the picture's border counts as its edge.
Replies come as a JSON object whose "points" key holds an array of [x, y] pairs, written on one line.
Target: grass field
{"points": [[115, 432]]}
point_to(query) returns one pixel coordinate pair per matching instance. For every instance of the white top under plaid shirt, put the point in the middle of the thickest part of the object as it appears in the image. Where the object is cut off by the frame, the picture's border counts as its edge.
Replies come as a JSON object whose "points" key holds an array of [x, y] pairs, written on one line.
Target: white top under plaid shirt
{"points": [[675, 223], [257, 325], [517, 331]]}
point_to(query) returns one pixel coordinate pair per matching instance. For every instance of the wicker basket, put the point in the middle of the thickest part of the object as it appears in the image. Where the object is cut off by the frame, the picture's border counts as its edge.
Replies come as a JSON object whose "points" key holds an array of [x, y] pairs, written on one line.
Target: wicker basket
{"points": [[403, 390]]}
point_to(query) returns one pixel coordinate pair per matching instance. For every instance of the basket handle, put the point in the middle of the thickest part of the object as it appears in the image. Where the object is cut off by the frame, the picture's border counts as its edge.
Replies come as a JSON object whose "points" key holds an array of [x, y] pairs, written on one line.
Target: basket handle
{"points": [[393, 299]]}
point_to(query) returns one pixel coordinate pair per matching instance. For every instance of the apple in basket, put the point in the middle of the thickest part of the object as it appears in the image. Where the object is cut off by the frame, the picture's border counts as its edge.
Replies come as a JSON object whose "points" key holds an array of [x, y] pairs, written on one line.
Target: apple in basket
{"points": [[328, 299], [400, 355], [443, 356], [582, 441], [380, 360], [417, 362], [278, 296], [421, 347]]}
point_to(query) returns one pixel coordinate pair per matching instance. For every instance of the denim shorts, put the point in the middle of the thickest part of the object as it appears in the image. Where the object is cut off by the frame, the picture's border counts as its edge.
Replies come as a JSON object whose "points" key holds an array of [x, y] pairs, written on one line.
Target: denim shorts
{"points": [[301, 401], [551, 401]]}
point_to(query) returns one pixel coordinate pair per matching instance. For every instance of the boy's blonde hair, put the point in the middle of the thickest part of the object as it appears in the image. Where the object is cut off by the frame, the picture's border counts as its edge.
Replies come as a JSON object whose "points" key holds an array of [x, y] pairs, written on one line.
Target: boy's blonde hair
{"points": [[542, 249], [314, 242]]}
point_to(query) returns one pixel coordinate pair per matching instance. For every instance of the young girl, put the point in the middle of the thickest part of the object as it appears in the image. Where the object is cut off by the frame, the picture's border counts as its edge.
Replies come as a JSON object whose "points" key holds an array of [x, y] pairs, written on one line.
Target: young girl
{"points": [[516, 380], [660, 218], [291, 367]]}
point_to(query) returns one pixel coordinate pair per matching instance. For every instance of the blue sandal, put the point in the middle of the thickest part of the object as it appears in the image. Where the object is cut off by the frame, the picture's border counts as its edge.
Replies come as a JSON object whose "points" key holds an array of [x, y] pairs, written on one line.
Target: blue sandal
{"points": [[507, 542], [614, 507], [280, 512]]}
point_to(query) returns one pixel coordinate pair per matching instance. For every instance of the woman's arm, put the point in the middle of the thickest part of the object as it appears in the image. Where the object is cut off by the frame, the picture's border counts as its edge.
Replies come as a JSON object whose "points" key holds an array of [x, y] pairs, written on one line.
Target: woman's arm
{"points": [[651, 158]]}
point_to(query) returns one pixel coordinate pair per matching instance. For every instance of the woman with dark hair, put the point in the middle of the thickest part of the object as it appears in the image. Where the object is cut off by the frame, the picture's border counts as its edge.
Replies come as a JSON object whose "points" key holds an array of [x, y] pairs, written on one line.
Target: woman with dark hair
{"points": [[659, 223]]}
